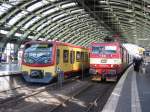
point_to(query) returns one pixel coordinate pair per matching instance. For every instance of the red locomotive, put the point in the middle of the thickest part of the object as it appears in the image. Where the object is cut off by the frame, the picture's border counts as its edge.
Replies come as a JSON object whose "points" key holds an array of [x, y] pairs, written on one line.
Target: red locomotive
{"points": [[108, 60]]}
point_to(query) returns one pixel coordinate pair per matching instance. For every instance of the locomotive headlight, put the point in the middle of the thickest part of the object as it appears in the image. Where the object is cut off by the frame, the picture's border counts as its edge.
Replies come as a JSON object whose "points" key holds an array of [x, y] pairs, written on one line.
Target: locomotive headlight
{"points": [[112, 65]]}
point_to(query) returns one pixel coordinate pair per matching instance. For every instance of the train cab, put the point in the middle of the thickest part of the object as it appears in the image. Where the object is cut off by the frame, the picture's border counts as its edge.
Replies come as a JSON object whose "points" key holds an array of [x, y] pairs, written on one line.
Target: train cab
{"points": [[107, 60], [41, 61]]}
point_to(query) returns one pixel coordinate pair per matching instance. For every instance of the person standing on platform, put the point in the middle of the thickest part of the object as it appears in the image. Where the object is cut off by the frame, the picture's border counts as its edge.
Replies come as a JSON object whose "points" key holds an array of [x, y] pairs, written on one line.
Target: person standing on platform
{"points": [[0, 58], [137, 62]]}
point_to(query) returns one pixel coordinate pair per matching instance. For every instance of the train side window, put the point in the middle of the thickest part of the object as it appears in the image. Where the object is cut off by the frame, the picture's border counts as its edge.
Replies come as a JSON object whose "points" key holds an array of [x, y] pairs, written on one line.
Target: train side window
{"points": [[58, 56], [86, 57], [65, 56], [82, 56], [72, 57], [122, 54], [78, 56], [128, 58]]}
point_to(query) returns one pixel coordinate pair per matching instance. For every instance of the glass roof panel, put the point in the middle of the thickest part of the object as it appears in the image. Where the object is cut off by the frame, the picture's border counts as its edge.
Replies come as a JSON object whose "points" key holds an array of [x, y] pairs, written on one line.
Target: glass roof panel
{"points": [[50, 11], [3, 32], [18, 34], [68, 5], [17, 17], [39, 28], [4, 7], [45, 1], [41, 39], [15, 2], [57, 17], [36, 6], [78, 10], [31, 22], [31, 37]]}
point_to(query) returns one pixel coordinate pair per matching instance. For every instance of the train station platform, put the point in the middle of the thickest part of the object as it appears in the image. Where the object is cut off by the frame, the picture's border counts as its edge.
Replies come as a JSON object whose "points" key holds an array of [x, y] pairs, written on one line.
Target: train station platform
{"points": [[9, 69], [132, 92]]}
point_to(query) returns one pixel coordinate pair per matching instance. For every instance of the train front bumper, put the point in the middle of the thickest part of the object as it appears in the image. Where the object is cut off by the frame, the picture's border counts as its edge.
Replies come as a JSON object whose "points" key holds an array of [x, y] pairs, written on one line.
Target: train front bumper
{"points": [[37, 78]]}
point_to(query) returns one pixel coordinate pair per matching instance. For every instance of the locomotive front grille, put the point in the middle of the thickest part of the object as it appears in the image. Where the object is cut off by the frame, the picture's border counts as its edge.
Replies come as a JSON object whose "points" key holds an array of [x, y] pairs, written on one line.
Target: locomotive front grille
{"points": [[37, 74]]}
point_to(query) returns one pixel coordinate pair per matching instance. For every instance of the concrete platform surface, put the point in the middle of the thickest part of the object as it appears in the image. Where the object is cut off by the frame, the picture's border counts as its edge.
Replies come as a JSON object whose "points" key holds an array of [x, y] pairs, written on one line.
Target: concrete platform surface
{"points": [[132, 92], [7, 69]]}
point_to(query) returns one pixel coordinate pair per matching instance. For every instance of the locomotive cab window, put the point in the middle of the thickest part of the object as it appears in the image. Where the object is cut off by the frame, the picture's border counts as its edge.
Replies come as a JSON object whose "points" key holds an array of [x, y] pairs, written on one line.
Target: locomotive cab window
{"points": [[65, 56], [104, 49], [95, 50]]}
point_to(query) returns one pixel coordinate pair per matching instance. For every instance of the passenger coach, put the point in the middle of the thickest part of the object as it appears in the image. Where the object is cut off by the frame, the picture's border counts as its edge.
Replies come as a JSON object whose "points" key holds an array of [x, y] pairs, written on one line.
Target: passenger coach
{"points": [[42, 60], [107, 60]]}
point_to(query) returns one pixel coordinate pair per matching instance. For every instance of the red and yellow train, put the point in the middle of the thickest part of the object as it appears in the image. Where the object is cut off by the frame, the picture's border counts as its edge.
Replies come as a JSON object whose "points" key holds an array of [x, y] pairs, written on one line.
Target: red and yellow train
{"points": [[108, 60], [42, 60]]}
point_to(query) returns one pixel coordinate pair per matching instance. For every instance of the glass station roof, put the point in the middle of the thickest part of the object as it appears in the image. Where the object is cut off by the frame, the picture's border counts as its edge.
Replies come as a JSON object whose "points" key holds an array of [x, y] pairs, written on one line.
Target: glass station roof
{"points": [[79, 22]]}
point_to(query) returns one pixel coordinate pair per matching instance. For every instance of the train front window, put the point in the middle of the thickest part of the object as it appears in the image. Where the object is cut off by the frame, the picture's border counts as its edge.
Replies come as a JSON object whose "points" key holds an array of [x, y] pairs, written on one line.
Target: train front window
{"points": [[95, 50], [38, 53], [104, 49]]}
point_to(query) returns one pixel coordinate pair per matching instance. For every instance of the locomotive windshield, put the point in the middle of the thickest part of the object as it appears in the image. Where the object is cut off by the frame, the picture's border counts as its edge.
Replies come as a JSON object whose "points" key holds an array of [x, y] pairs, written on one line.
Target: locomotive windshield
{"points": [[104, 49], [38, 53]]}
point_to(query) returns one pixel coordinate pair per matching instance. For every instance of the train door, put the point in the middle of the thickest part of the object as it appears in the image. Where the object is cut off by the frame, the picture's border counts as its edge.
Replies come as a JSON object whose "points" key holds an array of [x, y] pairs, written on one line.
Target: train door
{"points": [[122, 55], [72, 57], [66, 58], [58, 56]]}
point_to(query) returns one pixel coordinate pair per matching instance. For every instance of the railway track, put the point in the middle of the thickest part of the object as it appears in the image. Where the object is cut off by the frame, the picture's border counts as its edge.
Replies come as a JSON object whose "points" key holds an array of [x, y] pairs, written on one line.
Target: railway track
{"points": [[86, 100], [69, 98], [99, 101], [18, 93], [19, 89], [26, 92]]}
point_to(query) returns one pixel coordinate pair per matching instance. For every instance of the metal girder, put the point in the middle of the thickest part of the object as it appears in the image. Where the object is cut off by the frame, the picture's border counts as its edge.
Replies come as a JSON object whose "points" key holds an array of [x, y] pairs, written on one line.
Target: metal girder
{"points": [[38, 22], [77, 19], [74, 29], [67, 20], [56, 25], [62, 26], [81, 2], [12, 12], [96, 35]]}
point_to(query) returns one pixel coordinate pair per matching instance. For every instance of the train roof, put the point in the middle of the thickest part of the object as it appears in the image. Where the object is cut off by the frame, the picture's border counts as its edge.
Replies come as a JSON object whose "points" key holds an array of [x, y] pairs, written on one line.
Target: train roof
{"points": [[57, 43], [105, 43]]}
